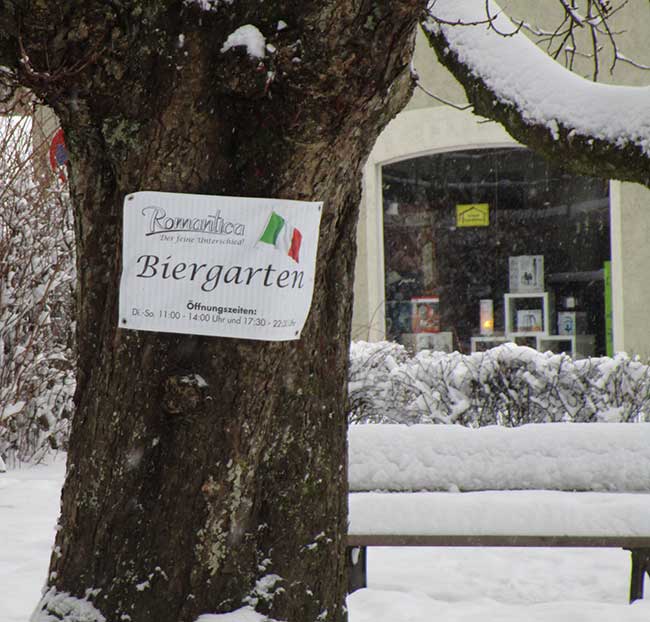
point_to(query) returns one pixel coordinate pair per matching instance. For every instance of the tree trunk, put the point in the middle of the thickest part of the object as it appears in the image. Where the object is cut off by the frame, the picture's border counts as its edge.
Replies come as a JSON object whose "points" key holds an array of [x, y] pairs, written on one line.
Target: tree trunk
{"points": [[181, 499]]}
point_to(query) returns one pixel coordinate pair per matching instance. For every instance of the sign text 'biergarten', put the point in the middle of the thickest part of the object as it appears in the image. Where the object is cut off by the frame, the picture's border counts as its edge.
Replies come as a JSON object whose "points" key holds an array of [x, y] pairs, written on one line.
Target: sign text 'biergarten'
{"points": [[221, 266]]}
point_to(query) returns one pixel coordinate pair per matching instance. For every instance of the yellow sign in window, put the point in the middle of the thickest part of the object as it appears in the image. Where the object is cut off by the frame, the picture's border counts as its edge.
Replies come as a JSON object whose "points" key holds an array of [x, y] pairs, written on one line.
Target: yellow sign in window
{"points": [[473, 215]]}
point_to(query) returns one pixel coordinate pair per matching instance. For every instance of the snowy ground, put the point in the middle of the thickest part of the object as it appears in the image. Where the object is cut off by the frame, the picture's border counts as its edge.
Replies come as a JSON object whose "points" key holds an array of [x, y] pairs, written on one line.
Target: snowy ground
{"points": [[29, 506], [412, 585]]}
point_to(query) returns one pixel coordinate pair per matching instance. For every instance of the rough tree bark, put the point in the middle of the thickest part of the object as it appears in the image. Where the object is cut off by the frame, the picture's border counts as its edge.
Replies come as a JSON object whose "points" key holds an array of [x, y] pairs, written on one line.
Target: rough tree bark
{"points": [[181, 500]]}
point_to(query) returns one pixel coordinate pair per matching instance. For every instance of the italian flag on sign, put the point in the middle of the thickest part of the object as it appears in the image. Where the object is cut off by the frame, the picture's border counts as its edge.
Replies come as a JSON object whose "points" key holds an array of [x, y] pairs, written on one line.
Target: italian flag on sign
{"points": [[280, 234]]}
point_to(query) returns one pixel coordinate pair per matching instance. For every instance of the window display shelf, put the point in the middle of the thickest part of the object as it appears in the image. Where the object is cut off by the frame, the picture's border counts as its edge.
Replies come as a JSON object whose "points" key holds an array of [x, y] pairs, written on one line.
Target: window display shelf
{"points": [[578, 346], [534, 225], [485, 342], [528, 314], [438, 342]]}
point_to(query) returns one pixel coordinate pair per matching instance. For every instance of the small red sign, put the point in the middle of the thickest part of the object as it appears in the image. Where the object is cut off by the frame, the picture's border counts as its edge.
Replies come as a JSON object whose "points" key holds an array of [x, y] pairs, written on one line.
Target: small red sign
{"points": [[58, 154]]}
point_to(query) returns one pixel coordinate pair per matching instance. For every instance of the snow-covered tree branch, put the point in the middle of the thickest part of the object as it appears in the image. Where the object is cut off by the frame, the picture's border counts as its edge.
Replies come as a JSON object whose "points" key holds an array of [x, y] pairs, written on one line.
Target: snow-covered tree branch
{"points": [[594, 129]]}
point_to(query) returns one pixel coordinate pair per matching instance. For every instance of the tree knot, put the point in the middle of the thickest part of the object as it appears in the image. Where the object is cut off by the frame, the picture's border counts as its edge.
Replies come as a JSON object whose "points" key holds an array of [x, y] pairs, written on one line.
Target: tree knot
{"points": [[183, 394]]}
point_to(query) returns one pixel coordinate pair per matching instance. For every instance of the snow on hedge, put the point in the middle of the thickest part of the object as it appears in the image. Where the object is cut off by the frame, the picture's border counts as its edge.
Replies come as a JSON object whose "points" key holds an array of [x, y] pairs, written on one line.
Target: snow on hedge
{"points": [[509, 385], [558, 456]]}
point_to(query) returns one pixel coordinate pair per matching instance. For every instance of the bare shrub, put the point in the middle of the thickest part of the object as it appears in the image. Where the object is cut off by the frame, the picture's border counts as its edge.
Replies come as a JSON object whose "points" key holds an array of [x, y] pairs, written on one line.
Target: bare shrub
{"points": [[509, 385], [374, 395], [36, 298]]}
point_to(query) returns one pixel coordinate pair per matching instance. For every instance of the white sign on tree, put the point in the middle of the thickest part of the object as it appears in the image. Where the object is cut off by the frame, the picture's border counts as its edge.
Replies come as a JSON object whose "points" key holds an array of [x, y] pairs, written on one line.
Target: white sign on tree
{"points": [[222, 266]]}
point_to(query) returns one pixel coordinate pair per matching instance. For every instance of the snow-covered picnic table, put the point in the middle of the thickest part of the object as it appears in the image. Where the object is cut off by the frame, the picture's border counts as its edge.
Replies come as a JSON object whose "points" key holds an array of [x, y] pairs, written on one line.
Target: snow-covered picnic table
{"points": [[537, 485]]}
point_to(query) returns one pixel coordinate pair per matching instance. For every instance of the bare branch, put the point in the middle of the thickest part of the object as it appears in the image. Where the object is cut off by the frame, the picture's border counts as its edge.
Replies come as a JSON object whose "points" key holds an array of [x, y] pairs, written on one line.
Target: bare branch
{"points": [[625, 59], [446, 102], [491, 21], [458, 22], [602, 38], [36, 76], [594, 46]]}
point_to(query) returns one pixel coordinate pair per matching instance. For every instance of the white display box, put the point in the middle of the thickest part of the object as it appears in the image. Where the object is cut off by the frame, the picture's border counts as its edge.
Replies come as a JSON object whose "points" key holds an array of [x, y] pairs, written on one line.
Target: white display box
{"points": [[578, 346], [529, 304], [529, 321], [439, 342], [571, 322], [481, 344], [527, 340], [526, 273]]}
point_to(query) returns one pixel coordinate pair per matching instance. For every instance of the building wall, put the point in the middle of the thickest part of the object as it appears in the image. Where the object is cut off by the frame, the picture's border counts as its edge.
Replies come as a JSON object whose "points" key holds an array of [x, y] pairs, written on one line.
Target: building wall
{"points": [[427, 126], [631, 268]]}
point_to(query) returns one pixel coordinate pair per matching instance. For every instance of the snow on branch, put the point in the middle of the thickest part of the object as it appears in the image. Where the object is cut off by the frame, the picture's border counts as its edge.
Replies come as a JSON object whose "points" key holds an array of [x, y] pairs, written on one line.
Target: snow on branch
{"points": [[597, 129]]}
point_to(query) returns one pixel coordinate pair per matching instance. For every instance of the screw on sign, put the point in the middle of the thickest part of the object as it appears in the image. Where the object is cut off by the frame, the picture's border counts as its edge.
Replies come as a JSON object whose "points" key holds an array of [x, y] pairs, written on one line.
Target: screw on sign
{"points": [[58, 154]]}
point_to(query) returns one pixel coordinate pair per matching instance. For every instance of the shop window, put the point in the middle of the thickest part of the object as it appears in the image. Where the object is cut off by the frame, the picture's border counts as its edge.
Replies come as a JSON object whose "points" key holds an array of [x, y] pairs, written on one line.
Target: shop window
{"points": [[453, 222]]}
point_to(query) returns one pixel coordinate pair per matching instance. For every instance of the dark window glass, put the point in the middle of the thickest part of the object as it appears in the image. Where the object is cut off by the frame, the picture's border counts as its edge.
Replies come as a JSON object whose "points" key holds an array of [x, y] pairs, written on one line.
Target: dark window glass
{"points": [[532, 209]]}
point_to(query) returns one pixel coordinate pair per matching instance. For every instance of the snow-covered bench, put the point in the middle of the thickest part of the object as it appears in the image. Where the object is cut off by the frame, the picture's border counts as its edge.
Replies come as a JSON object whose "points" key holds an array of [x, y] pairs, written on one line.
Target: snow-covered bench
{"points": [[545, 485]]}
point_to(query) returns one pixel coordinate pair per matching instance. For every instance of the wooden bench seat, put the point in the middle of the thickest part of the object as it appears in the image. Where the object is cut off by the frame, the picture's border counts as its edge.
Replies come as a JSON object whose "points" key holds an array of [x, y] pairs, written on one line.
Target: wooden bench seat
{"points": [[606, 461]]}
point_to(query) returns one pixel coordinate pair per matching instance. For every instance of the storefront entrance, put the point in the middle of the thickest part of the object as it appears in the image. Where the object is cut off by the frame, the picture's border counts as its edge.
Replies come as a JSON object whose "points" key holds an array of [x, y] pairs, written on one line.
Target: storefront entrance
{"points": [[453, 224]]}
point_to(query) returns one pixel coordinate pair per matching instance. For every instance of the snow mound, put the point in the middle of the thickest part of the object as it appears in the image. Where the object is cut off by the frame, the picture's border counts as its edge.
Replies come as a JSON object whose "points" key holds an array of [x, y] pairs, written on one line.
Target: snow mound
{"points": [[58, 606], [554, 456]]}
